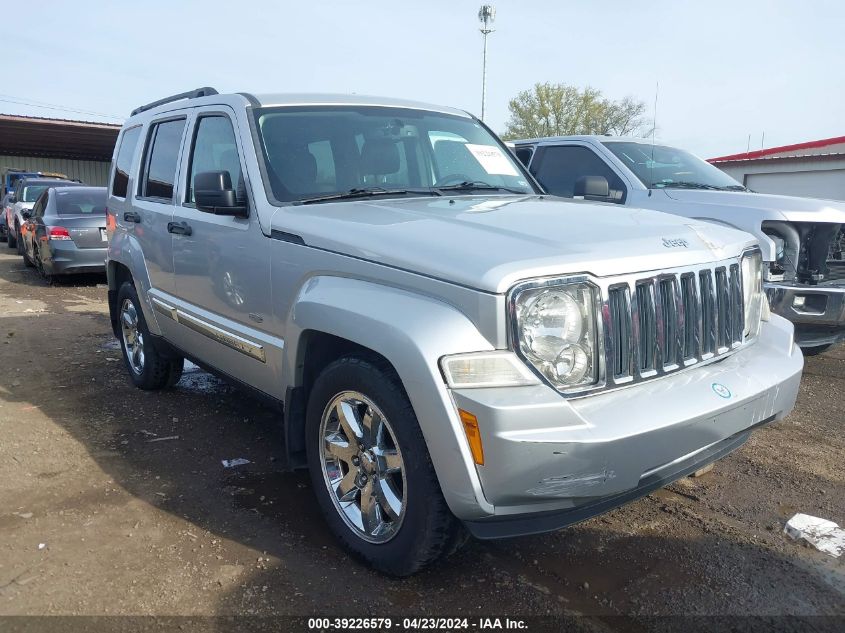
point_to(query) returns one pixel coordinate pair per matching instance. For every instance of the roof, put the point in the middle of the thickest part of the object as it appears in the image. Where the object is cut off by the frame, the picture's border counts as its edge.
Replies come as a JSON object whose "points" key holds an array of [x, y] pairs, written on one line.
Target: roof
{"points": [[797, 150], [601, 138], [349, 99], [180, 101], [56, 138]]}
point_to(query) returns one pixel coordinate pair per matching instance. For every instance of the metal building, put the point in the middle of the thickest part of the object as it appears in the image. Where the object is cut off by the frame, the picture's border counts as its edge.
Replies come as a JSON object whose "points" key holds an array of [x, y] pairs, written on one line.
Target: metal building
{"points": [[81, 150], [815, 169]]}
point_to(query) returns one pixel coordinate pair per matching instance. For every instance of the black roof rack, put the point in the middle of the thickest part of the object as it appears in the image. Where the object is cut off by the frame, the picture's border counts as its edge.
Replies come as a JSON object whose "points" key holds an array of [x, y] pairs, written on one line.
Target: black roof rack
{"points": [[191, 94]]}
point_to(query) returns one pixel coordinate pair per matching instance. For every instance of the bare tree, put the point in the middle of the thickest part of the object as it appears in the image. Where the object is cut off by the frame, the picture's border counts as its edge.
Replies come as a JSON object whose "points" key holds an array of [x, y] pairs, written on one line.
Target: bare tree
{"points": [[557, 110]]}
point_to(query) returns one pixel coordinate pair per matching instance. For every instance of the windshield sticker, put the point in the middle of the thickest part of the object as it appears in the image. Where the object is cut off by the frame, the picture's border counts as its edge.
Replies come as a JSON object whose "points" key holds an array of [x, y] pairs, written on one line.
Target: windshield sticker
{"points": [[492, 159]]}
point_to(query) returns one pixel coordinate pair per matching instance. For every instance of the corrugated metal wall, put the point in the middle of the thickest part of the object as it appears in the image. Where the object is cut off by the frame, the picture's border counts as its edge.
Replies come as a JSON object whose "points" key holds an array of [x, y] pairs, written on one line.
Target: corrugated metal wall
{"points": [[88, 171]]}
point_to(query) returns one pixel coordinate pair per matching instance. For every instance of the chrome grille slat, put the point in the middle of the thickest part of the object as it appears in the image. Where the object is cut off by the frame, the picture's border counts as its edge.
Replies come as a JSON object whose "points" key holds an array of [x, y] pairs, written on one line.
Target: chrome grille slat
{"points": [[620, 353], [657, 325]]}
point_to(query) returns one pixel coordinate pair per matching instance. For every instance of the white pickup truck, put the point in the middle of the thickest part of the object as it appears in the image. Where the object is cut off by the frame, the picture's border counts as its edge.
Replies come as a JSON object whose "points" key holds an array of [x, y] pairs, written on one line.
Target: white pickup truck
{"points": [[799, 237]]}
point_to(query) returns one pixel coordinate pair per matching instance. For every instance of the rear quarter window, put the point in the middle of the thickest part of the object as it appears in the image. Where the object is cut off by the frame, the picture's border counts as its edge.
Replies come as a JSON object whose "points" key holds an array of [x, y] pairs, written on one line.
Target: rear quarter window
{"points": [[123, 162]]}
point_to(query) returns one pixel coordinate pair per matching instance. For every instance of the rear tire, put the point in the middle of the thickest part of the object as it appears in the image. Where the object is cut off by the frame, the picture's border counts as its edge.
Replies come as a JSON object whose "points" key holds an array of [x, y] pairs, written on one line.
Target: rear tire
{"points": [[11, 242], [148, 368], [384, 474], [26, 260], [816, 349], [19, 242]]}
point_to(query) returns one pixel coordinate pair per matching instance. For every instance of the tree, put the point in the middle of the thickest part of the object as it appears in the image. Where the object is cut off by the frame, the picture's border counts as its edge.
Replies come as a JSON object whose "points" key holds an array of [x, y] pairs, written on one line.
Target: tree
{"points": [[558, 110]]}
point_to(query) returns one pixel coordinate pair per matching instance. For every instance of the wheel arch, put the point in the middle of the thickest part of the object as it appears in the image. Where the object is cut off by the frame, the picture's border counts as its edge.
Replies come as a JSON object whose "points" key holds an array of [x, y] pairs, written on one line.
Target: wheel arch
{"points": [[336, 316]]}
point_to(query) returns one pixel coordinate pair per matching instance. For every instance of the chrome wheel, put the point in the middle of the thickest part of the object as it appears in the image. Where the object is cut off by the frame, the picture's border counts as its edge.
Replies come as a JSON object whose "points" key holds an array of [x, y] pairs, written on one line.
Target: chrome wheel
{"points": [[362, 466], [133, 340]]}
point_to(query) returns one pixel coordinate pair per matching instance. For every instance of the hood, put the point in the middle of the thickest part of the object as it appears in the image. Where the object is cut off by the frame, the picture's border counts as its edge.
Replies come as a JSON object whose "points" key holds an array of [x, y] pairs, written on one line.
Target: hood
{"points": [[490, 243], [774, 207]]}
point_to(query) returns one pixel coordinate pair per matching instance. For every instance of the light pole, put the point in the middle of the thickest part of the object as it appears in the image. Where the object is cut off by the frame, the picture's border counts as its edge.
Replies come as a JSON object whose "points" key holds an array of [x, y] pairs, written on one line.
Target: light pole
{"points": [[486, 15]]}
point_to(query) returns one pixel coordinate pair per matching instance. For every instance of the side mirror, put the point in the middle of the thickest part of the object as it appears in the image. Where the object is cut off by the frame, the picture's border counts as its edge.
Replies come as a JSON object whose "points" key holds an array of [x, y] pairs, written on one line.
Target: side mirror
{"points": [[592, 187], [213, 192], [26, 214]]}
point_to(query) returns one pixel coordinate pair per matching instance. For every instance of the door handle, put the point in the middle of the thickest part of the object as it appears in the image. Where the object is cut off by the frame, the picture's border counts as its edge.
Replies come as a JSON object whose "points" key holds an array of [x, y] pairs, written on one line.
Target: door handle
{"points": [[131, 216], [179, 228]]}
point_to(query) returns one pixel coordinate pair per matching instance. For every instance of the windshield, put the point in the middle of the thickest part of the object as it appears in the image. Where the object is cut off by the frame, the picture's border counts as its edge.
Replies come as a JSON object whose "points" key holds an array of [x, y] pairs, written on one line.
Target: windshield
{"points": [[315, 152], [81, 202], [30, 194], [667, 167]]}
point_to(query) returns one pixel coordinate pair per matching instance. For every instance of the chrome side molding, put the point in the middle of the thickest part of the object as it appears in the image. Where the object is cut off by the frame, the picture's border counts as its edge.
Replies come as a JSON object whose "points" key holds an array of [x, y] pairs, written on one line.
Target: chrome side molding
{"points": [[234, 341]]}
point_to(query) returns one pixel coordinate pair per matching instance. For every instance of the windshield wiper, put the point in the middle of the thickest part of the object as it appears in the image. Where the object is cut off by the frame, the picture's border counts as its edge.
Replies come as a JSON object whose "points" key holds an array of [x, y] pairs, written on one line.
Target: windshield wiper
{"points": [[478, 185], [368, 192], [736, 188], [684, 184]]}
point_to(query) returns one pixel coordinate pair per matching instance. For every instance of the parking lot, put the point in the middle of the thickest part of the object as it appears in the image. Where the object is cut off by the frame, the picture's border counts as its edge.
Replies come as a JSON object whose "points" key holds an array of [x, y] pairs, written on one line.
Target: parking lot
{"points": [[115, 501]]}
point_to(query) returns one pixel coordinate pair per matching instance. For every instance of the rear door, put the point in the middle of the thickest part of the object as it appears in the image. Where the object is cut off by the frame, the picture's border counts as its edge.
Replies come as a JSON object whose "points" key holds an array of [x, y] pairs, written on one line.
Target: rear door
{"points": [[151, 208]]}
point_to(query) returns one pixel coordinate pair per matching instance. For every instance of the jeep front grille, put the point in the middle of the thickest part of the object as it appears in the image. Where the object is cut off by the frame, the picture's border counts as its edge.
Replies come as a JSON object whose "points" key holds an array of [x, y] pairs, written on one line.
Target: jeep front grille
{"points": [[657, 325]]}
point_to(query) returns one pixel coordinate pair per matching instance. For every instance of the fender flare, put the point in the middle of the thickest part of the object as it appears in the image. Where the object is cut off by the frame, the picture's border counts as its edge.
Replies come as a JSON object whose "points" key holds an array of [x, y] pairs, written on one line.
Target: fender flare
{"points": [[412, 332]]}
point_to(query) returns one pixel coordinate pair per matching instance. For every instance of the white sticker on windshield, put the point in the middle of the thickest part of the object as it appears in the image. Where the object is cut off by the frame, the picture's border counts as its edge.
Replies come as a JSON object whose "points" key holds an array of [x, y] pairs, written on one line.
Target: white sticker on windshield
{"points": [[492, 159]]}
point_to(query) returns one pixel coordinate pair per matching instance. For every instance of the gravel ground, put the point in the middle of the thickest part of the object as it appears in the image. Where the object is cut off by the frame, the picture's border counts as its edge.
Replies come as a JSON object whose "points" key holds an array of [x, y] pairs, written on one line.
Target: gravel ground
{"points": [[114, 502]]}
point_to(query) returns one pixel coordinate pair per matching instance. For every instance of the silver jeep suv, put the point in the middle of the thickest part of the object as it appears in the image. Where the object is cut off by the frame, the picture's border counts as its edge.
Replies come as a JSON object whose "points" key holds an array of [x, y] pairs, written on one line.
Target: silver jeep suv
{"points": [[451, 350]]}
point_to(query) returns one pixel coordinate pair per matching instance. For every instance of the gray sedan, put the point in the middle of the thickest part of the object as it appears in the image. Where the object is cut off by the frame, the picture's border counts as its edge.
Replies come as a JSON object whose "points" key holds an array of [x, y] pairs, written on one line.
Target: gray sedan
{"points": [[65, 232]]}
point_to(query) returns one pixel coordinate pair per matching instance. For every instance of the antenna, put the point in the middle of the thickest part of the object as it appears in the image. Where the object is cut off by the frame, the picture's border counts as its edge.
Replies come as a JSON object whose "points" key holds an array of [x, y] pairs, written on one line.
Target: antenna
{"points": [[763, 140], [748, 145], [653, 128]]}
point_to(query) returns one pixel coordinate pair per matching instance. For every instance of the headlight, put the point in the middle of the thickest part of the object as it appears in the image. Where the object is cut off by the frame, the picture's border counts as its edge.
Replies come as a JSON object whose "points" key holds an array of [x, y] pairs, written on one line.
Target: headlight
{"points": [[752, 292], [555, 331]]}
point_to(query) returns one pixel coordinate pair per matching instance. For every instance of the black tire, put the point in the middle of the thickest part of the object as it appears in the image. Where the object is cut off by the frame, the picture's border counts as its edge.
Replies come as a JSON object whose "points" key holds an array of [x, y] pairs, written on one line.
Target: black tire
{"points": [[816, 349], [11, 242], [39, 265], [19, 242], [428, 530], [157, 371], [26, 260]]}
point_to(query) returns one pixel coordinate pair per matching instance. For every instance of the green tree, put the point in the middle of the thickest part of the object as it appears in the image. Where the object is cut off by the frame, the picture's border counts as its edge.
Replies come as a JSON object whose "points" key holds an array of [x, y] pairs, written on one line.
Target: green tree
{"points": [[557, 110]]}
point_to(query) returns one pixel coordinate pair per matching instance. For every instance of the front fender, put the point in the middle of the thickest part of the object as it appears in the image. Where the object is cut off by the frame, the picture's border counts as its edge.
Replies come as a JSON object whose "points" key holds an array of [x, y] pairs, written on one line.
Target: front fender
{"points": [[412, 332]]}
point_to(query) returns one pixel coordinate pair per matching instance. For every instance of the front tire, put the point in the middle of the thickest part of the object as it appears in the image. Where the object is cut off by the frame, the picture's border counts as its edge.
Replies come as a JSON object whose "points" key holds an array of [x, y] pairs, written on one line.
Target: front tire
{"points": [[371, 470], [148, 368]]}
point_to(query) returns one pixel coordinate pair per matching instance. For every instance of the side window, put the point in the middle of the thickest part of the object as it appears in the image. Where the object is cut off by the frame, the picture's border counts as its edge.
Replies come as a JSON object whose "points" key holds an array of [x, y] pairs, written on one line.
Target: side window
{"points": [[123, 162], [215, 149], [524, 154], [159, 168], [559, 168], [38, 207]]}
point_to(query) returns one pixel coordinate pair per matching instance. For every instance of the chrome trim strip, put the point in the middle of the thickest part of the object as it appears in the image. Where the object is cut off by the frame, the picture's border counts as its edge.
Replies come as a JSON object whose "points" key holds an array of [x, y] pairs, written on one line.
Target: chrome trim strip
{"points": [[163, 308], [237, 343]]}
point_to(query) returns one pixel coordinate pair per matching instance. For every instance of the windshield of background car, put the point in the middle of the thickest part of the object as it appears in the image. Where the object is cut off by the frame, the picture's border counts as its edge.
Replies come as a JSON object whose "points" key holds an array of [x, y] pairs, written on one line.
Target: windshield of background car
{"points": [[85, 202], [30, 194], [317, 151], [659, 166]]}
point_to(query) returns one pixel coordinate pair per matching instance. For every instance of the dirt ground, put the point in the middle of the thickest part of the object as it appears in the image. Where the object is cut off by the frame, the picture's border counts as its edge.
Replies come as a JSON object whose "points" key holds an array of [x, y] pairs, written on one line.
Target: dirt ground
{"points": [[114, 501]]}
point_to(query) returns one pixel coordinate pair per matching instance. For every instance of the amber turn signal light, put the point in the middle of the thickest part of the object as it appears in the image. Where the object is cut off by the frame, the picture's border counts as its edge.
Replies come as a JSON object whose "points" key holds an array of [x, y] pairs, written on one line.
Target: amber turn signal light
{"points": [[473, 434]]}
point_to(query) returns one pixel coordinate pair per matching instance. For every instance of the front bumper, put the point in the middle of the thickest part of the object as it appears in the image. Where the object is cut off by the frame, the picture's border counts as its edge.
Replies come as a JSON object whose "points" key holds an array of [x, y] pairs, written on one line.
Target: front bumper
{"points": [[66, 258], [550, 462], [818, 315]]}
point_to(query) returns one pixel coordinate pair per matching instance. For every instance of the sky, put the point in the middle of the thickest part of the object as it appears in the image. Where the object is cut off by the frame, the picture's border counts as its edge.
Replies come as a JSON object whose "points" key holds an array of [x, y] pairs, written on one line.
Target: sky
{"points": [[722, 70]]}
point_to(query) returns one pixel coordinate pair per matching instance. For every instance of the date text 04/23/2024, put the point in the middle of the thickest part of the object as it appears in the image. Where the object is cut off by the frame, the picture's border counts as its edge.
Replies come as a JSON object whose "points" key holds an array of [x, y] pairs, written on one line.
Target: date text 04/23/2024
{"points": [[415, 624]]}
